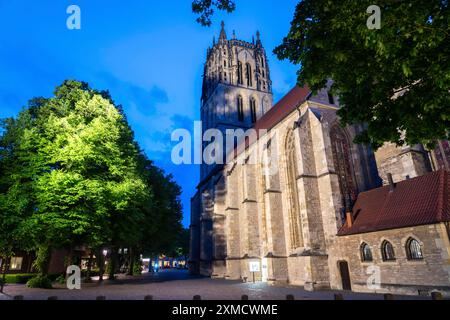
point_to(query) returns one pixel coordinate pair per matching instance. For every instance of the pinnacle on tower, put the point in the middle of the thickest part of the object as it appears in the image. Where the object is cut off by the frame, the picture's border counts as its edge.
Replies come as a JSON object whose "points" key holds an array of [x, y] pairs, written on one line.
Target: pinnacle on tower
{"points": [[223, 35], [258, 38]]}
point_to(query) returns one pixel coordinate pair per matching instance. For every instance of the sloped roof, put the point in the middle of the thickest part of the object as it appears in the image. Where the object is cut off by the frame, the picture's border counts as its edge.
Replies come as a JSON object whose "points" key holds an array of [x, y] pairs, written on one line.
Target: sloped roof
{"points": [[419, 201], [283, 108], [292, 100]]}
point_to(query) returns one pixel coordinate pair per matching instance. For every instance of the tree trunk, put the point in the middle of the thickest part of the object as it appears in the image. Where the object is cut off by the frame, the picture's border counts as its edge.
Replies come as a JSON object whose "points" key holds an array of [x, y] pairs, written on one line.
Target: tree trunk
{"points": [[89, 267], [101, 265], [113, 263], [5, 270], [131, 264], [42, 262], [69, 260]]}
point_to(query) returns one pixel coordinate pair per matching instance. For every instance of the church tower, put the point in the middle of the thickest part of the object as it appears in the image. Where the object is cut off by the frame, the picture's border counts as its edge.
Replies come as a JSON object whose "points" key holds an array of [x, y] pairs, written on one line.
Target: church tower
{"points": [[237, 89]]}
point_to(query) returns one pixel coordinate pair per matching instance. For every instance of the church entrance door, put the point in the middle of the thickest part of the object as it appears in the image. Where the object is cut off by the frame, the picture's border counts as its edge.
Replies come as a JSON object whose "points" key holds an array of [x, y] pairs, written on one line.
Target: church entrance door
{"points": [[345, 275]]}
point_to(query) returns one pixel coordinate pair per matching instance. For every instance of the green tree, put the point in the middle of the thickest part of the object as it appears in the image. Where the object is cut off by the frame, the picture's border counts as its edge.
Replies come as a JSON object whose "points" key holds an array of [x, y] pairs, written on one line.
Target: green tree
{"points": [[78, 158], [395, 79], [71, 174], [163, 225], [205, 9], [16, 191]]}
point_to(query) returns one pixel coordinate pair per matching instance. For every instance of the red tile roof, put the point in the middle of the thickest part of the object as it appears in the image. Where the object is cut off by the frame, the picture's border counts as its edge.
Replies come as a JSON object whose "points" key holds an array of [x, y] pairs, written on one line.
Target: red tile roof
{"points": [[283, 108], [292, 100], [419, 201]]}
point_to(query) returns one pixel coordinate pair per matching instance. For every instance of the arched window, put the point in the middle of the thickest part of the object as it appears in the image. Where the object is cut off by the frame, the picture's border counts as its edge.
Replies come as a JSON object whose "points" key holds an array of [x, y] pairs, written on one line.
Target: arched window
{"points": [[387, 251], [413, 250], [240, 108], [343, 165], [253, 109], [239, 75], [248, 74], [225, 63], [295, 231], [330, 98], [366, 253]]}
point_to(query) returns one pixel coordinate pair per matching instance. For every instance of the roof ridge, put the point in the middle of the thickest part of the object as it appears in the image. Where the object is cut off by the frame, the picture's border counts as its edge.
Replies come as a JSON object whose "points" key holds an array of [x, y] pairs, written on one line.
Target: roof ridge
{"points": [[441, 196], [440, 204]]}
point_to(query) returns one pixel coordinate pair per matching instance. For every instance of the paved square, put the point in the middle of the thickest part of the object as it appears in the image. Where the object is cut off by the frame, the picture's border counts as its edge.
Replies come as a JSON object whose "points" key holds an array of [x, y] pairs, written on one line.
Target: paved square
{"points": [[179, 285]]}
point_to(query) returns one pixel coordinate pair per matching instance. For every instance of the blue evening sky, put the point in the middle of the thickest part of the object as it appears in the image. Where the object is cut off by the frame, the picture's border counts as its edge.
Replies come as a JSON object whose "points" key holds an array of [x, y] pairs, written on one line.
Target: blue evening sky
{"points": [[148, 53]]}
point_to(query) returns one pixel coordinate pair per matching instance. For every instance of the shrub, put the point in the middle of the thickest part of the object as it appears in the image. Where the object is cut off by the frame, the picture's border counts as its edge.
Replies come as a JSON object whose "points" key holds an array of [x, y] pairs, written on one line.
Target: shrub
{"points": [[61, 279], [137, 269], [42, 282], [20, 278]]}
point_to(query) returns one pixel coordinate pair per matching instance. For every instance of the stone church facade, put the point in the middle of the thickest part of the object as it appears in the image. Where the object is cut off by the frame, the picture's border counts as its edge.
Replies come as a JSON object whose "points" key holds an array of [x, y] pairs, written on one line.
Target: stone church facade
{"points": [[294, 215]]}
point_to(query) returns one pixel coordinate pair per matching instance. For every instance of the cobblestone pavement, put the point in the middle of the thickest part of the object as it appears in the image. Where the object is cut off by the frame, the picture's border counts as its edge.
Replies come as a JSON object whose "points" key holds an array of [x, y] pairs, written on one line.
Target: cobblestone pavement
{"points": [[178, 285]]}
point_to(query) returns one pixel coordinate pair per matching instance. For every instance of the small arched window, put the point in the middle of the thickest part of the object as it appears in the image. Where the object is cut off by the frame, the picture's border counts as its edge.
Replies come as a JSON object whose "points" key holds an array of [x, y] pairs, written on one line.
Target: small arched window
{"points": [[240, 79], [387, 251], [413, 250], [248, 74], [240, 108], [366, 253], [253, 109]]}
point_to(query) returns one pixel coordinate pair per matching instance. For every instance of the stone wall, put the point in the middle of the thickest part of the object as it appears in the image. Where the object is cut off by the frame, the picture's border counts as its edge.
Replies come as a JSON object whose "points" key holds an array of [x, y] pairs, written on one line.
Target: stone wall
{"points": [[401, 276], [402, 162]]}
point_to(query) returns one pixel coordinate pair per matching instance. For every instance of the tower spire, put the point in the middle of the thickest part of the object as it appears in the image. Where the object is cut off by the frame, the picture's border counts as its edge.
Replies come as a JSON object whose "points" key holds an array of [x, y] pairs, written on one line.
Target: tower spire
{"points": [[223, 34]]}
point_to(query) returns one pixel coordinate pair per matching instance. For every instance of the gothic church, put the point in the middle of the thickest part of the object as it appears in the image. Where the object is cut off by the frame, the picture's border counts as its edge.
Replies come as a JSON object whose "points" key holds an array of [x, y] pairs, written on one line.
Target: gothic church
{"points": [[331, 210]]}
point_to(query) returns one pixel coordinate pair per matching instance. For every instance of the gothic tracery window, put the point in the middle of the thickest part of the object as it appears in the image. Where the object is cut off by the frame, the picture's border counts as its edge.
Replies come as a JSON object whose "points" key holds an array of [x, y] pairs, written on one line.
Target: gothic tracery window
{"points": [[239, 75], [413, 250], [248, 74], [343, 164], [387, 251], [294, 208], [253, 109], [441, 155], [240, 108], [366, 253]]}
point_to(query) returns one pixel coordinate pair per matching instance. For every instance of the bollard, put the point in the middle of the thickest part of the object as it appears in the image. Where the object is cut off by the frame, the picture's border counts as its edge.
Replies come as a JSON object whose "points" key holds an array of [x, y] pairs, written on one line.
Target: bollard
{"points": [[290, 297], [338, 296], [244, 297], [100, 298], [436, 296], [147, 298], [389, 296], [53, 298], [18, 298], [197, 298]]}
